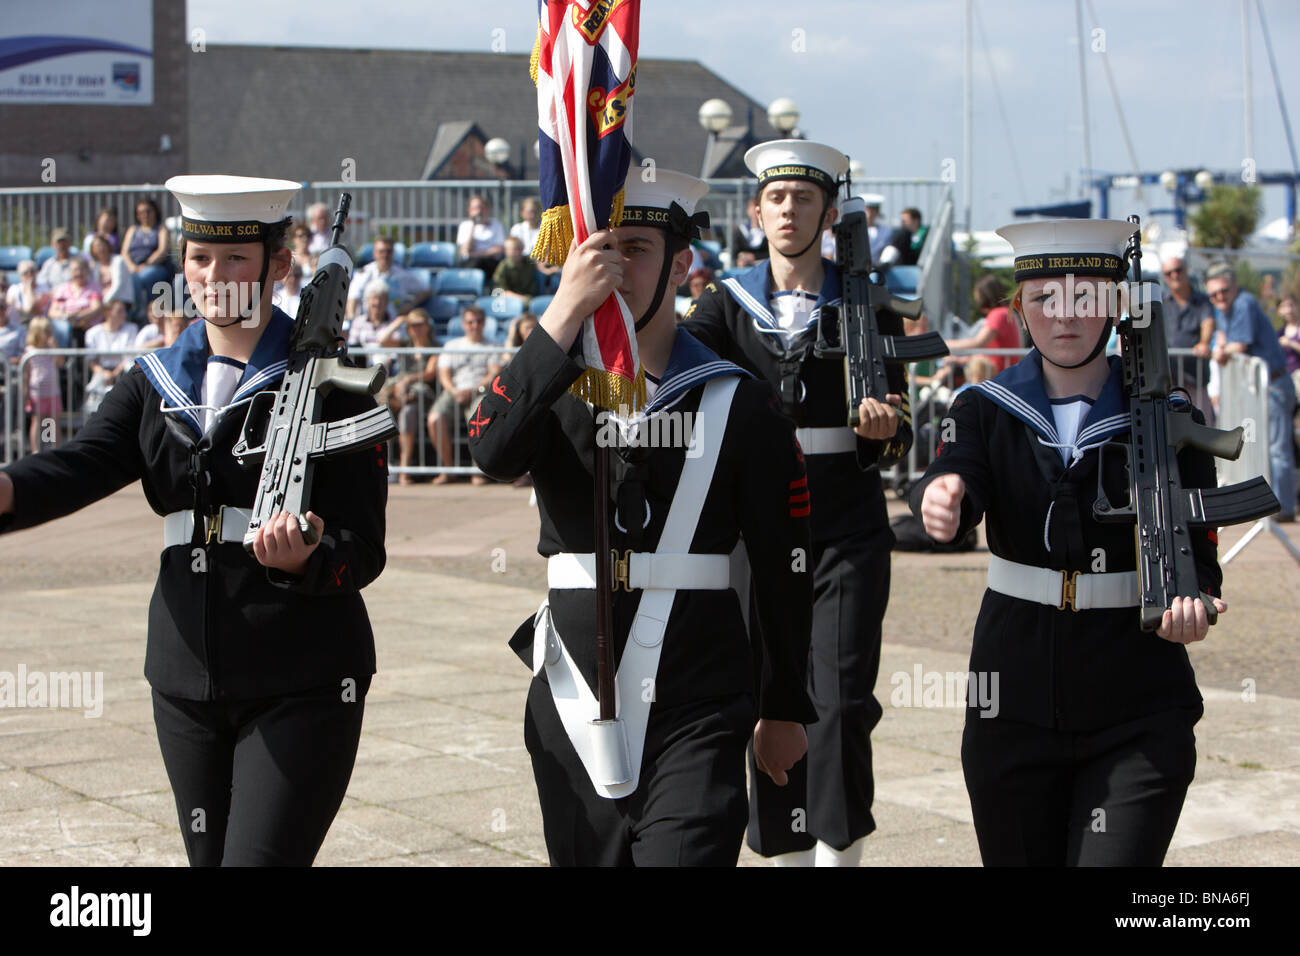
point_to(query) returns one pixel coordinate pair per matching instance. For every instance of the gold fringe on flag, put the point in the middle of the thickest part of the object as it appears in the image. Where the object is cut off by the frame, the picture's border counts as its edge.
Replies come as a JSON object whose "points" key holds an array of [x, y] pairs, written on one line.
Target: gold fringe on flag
{"points": [[536, 56], [554, 237], [616, 210], [607, 390]]}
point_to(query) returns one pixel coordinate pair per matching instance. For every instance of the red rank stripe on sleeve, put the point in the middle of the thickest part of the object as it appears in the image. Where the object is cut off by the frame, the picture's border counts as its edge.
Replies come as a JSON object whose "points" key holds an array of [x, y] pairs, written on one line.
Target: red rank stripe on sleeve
{"points": [[1212, 535], [800, 503]]}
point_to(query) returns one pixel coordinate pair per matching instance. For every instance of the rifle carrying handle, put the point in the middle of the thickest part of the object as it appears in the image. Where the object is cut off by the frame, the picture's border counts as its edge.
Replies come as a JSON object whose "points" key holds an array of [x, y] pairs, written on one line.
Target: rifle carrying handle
{"points": [[362, 381]]}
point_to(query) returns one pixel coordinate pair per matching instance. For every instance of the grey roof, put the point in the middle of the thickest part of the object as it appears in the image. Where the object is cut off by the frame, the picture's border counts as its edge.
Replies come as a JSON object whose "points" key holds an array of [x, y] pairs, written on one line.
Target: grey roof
{"points": [[301, 112]]}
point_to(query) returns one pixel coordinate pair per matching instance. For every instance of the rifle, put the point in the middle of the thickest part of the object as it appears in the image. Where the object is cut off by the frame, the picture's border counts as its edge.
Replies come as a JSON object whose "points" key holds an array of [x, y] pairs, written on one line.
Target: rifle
{"points": [[1162, 509], [293, 435], [855, 331]]}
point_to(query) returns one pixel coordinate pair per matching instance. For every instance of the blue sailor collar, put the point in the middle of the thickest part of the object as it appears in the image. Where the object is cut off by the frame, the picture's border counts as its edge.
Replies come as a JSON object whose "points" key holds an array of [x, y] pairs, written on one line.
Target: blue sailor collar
{"points": [[1019, 390], [753, 290], [690, 363], [176, 373]]}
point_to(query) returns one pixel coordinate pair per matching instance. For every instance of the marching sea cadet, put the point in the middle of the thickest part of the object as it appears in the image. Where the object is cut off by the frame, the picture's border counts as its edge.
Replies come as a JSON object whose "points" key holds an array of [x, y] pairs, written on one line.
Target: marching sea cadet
{"points": [[259, 662], [709, 462], [765, 320], [1087, 753]]}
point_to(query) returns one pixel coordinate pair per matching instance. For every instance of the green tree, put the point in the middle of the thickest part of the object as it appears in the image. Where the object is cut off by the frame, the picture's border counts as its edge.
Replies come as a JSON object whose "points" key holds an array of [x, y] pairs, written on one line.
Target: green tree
{"points": [[1227, 217]]}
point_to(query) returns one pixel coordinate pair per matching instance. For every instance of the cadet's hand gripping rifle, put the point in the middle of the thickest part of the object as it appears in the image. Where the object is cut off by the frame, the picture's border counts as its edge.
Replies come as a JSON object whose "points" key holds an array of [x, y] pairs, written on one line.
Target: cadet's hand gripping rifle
{"points": [[855, 332], [294, 434], [1163, 509]]}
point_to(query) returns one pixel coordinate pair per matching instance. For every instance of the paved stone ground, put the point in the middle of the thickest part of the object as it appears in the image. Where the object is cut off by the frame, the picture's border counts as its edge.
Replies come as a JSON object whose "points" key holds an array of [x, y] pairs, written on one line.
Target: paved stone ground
{"points": [[442, 777]]}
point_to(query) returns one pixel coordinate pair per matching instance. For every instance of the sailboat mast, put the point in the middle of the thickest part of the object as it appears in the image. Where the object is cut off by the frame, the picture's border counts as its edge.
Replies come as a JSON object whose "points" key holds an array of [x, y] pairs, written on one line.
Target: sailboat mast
{"points": [[1086, 185]]}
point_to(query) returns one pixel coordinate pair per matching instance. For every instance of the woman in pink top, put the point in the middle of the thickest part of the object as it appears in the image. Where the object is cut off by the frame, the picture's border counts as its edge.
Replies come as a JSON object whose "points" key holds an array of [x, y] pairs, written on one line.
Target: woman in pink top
{"points": [[999, 329], [44, 403], [78, 300]]}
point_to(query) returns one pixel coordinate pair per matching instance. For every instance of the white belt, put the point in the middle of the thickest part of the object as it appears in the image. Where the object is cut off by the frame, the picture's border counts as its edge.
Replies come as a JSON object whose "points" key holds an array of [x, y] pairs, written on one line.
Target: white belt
{"points": [[834, 440], [637, 570], [228, 525], [1061, 589]]}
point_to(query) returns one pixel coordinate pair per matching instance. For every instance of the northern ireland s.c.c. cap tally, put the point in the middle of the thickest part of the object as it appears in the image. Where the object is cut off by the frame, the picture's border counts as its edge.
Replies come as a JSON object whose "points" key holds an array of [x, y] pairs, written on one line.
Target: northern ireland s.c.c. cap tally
{"points": [[1057, 247], [652, 203], [797, 159], [230, 208]]}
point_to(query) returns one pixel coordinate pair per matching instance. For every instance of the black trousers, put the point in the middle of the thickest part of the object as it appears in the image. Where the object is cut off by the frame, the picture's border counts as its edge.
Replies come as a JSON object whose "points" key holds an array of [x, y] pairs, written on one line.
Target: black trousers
{"points": [[257, 783], [689, 805], [829, 793], [1043, 797]]}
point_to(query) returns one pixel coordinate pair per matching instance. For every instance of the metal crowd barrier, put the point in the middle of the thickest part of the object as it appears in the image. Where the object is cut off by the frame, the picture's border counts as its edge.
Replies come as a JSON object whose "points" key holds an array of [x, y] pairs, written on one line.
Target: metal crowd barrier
{"points": [[17, 421]]}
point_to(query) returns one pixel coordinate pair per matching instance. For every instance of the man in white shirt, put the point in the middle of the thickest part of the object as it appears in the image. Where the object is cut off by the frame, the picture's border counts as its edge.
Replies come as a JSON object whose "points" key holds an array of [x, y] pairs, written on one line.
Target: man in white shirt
{"points": [[406, 289], [464, 377], [57, 269], [480, 240]]}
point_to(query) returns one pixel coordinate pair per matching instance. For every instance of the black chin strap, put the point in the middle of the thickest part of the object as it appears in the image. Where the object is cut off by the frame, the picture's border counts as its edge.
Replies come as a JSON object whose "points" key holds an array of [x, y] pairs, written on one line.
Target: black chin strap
{"points": [[660, 289], [261, 284], [817, 235], [1096, 349]]}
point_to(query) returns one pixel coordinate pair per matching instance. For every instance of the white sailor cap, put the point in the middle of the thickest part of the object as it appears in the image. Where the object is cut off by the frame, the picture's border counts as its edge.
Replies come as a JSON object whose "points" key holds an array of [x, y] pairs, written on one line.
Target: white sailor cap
{"points": [[872, 199], [797, 159], [230, 208], [1057, 247], [667, 201]]}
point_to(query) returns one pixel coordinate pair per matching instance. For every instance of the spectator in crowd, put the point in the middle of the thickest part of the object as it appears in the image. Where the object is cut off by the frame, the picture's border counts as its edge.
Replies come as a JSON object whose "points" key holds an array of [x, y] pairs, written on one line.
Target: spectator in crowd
{"points": [[373, 328], [480, 239], [12, 333], [748, 236], [115, 332], [318, 217], [58, 267], [526, 232], [1248, 331], [905, 244], [44, 404], [79, 302], [108, 270], [1189, 324], [106, 226], [998, 330], [1289, 336], [405, 290], [411, 393], [878, 233], [147, 246], [745, 259], [287, 294], [29, 296], [300, 243], [464, 376], [516, 276], [521, 326], [164, 327], [697, 280]]}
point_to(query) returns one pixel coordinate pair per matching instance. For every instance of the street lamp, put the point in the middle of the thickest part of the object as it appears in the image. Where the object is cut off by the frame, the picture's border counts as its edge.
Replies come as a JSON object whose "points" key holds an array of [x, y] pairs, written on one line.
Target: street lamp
{"points": [[715, 115], [1169, 180], [783, 114], [1204, 180], [497, 151]]}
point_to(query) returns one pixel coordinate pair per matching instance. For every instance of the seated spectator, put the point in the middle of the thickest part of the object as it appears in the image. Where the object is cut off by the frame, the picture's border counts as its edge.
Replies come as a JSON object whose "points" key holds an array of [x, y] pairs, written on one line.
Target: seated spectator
{"points": [[41, 388], [905, 244], [411, 391], [29, 296], [464, 377], [318, 218], [480, 239], [163, 329], [516, 276], [78, 301], [108, 270], [526, 232], [106, 226], [406, 290], [58, 267], [115, 332], [521, 326], [998, 330], [697, 281], [300, 238], [12, 334], [748, 236], [287, 292], [372, 328], [147, 249]]}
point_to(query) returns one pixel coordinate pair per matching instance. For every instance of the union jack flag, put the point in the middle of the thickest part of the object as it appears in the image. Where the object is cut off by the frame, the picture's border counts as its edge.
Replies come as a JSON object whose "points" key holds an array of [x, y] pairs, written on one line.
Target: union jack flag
{"points": [[584, 65]]}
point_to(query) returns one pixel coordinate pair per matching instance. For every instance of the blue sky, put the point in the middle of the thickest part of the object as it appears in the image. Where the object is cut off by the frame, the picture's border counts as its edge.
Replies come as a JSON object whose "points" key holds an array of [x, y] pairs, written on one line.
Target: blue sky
{"points": [[883, 80]]}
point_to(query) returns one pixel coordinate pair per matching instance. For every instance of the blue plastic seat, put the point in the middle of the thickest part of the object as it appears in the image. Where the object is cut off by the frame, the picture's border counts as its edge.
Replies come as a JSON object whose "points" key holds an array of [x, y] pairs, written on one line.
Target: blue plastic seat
{"points": [[501, 307], [10, 256], [433, 255], [459, 282], [43, 253], [902, 280], [538, 304]]}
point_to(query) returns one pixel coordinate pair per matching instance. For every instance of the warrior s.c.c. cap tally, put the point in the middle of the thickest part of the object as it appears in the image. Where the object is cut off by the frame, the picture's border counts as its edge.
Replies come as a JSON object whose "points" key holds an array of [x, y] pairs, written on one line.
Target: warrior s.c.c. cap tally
{"points": [[797, 159], [230, 208], [651, 203], [1057, 247]]}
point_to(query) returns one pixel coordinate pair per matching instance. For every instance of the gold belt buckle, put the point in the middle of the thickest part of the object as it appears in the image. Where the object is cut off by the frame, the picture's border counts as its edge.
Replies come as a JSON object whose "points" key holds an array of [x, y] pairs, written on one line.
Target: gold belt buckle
{"points": [[622, 569], [214, 525], [1069, 588]]}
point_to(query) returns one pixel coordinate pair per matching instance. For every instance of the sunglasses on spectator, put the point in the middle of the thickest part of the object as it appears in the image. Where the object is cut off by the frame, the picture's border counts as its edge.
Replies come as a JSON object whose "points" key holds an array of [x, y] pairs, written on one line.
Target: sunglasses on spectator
{"points": [[1177, 271], [1218, 293]]}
